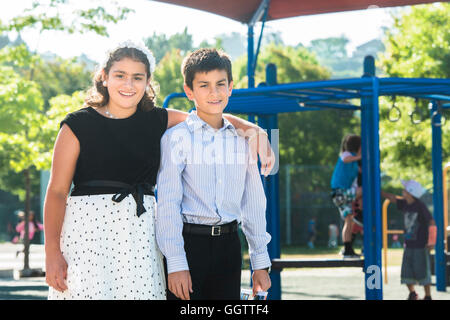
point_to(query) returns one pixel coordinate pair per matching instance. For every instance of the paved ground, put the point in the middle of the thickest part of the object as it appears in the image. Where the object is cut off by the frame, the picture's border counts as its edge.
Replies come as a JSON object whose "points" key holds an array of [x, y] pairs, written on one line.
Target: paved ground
{"points": [[297, 284], [11, 259]]}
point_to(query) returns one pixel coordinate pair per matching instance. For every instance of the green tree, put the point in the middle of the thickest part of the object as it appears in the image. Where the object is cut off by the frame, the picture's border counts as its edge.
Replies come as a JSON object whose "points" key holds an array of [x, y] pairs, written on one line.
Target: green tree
{"points": [[20, 117], [61, 76], [160, 44], [293, 65], [51, 15], [169, 78], [27, 131], [417, 45], [22, 113]]}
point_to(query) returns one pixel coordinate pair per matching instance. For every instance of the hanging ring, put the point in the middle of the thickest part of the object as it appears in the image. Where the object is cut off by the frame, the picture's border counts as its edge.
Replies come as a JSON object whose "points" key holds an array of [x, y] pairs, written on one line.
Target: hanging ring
{"points": [[418, 111], [396, 108]]}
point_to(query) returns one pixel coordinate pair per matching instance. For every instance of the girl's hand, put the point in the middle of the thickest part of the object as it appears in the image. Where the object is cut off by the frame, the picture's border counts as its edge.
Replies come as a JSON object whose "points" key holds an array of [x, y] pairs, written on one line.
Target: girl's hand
{"points": [[56, 270], [259, 144]]}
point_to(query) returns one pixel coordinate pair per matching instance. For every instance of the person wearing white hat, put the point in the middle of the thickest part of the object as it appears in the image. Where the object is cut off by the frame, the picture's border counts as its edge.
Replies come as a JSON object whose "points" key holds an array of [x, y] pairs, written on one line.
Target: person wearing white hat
{"points": [[419, 235], [413, 188]]}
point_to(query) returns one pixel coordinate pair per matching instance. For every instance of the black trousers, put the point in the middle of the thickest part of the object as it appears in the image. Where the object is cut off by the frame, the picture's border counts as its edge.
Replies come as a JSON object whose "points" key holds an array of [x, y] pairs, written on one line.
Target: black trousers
{"points": [[215, 266]]}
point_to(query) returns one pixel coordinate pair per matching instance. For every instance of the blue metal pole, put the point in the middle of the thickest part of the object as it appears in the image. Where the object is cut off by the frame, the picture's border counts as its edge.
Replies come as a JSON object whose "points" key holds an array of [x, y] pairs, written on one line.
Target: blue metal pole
{"points": [[45, 177], [273, 216], [250, 58], [272, 194], [438, 201], [371, 186], [172, 96]]}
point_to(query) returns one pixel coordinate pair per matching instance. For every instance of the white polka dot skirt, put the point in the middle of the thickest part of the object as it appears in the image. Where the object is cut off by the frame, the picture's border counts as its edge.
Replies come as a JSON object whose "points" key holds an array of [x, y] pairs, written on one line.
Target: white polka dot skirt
{"points": [[111, 253]]}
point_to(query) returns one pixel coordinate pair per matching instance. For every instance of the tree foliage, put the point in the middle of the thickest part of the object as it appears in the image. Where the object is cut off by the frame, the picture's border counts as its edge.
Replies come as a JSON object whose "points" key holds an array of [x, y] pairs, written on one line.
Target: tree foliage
{"points": [[417, 45], [27, 128], [51, 15], [161, 44], [170, 80], [293, 65]]}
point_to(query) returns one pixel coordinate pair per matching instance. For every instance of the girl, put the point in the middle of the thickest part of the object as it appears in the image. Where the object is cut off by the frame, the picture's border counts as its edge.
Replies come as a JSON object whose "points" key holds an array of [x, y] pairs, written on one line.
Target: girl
{"points": [[345, 172], [34, 228], [100, 240]]}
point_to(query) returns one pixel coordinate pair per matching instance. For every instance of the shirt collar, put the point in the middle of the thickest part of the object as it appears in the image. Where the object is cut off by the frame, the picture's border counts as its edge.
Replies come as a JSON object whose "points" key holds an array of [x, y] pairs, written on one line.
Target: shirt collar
{"points": [[194, 122]]}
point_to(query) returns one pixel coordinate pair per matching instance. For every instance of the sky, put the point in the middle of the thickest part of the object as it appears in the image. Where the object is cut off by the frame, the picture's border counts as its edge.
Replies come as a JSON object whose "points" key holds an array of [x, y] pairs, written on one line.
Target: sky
{"points": [[150, 16]]}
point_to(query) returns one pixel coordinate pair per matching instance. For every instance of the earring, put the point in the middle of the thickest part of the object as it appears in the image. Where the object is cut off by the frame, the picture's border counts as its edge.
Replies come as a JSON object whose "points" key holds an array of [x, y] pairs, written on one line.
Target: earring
{"points": [[104, 83]]}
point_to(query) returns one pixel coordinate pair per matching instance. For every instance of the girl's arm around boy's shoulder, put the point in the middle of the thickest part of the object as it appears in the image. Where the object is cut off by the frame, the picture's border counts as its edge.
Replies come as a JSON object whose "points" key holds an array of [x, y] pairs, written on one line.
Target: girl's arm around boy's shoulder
{"points": [[175, 117]]}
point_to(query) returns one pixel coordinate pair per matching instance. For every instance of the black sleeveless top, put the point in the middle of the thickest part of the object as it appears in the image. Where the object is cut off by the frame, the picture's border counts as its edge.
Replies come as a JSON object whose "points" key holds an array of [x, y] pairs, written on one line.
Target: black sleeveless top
{"points": [[124, 150]]}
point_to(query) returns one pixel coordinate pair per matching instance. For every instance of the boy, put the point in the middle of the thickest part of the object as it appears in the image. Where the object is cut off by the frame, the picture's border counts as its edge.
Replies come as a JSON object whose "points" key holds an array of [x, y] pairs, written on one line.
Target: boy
{"points": [[206, 186], [420, 237]]}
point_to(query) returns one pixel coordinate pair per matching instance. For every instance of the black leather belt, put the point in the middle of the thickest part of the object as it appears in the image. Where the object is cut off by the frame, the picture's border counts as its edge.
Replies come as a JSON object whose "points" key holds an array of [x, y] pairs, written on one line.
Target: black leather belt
{"points": [[137, 190], [205, 230]]}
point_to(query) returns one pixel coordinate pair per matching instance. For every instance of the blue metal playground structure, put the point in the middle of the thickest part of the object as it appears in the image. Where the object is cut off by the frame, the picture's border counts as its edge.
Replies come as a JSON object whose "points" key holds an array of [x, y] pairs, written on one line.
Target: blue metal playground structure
{"points": [[264, 103]]}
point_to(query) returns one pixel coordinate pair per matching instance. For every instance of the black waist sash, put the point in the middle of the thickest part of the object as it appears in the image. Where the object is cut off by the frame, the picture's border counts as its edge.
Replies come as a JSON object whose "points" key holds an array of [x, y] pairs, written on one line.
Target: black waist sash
{"points": [[137, 190]]}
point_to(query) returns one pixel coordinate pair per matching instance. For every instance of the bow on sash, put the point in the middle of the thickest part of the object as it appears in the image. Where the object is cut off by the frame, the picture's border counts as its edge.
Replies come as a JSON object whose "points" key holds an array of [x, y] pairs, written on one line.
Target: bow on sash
{"points": [[137, 191]]}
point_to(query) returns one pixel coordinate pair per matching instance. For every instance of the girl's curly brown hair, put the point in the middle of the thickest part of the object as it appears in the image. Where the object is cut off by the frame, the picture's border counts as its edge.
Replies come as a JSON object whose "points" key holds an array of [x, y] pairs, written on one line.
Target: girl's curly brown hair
{"points": [[98, 95]]}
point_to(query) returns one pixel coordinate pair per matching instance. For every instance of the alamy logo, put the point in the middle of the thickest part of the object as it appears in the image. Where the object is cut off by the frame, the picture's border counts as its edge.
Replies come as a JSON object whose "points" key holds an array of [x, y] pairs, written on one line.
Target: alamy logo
{"points": [[373, 280], [204, 147]]}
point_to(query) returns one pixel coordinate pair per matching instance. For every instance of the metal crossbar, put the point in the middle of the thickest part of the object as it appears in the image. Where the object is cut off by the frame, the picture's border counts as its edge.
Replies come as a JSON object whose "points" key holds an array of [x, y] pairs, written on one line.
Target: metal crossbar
{"points": [[280, 264]]}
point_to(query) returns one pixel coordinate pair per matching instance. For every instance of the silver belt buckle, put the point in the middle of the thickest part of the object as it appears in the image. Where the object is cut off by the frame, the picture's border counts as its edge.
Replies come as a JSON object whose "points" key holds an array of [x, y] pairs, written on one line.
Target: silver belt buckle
{"points": [[215, 231]]}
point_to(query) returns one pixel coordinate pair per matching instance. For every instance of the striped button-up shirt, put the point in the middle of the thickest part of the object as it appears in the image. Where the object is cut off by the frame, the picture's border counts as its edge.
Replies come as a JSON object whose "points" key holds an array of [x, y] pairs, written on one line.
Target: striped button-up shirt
{"points": [[206, 177]]}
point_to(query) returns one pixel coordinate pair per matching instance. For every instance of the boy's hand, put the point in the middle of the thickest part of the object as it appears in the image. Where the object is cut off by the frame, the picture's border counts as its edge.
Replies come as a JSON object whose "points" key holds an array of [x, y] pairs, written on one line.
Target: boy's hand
{"points": [[180, 284], [261, 281]]}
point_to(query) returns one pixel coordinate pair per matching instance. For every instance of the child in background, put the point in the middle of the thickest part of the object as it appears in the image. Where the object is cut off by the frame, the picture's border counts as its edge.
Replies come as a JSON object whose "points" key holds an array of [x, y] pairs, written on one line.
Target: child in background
{"points": [[34, 227], [420, 237], [311, 232], [333, 233], [344, 174], [395, 242]]}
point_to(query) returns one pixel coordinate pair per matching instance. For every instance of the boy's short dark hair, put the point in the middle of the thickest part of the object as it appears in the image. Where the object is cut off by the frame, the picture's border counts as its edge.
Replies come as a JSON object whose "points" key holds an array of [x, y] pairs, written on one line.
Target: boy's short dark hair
{"points": [[205, 60]]}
